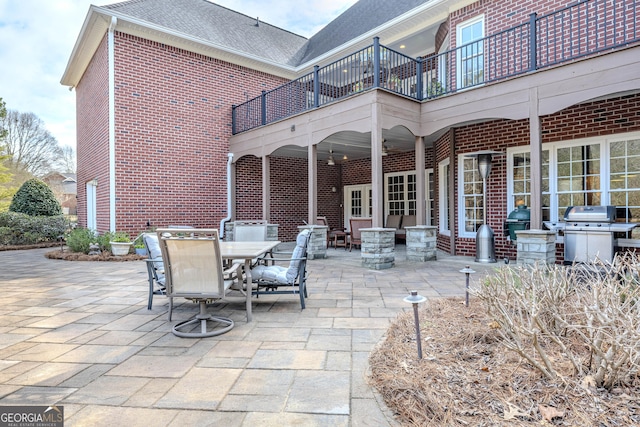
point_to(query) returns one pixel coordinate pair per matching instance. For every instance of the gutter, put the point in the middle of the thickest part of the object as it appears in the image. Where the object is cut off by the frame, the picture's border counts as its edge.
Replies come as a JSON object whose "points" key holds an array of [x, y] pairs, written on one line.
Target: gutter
{"points": [[229, 204]]}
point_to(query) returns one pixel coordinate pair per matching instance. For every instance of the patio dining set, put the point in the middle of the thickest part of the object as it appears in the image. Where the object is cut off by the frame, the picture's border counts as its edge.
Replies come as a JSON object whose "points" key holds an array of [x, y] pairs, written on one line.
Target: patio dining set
{"points": [[195, 264]]}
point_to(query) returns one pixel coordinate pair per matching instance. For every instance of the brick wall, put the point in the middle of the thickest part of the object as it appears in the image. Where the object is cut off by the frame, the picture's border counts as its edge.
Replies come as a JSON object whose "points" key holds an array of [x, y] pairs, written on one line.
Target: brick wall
{"points": [[92, 127], [173, 122], [599, 118]]}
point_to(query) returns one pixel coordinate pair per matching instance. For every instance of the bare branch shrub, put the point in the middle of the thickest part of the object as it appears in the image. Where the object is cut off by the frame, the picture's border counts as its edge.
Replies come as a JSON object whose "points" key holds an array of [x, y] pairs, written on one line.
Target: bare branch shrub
{"points": [[590, 313]]}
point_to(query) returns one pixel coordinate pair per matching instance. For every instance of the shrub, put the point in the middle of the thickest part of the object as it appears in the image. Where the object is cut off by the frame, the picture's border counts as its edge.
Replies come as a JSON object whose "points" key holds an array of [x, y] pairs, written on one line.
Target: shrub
{"points": [[587, 314], [35, 198], [79, 240], [22, 229]]}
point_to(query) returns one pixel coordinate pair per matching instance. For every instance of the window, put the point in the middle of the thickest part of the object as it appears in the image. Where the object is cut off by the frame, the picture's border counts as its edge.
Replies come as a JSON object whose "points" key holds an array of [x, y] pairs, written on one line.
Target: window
{"points": [[431, 219], [443, 196], [519, 163], [401, 194], [578, 177], [470, 53], [571, 176], [472, 195], [624, 168]]}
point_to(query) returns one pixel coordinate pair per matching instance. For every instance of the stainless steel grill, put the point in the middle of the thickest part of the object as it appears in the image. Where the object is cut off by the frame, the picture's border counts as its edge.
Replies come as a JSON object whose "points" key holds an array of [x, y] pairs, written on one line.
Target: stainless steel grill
{"points": [[589, 233]]}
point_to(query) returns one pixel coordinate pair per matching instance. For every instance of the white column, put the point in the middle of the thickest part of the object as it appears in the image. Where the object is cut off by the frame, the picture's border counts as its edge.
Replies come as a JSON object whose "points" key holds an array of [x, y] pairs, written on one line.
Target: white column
{"points": [[535, 135], [266, 187], [421, 205], [376, 166], [313, 183]]}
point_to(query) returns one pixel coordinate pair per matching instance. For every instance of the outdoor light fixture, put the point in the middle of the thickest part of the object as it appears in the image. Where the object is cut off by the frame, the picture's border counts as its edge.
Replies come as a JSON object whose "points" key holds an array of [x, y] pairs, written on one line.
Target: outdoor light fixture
{"points": [[467, 271], [330, 161], [416, 299], [384, 148]]}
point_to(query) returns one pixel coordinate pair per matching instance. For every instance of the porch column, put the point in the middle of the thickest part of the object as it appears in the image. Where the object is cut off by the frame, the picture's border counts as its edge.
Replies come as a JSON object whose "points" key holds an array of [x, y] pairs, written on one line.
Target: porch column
{"points": [[266, 187], [535, 135], [421, 206], [452, 190], [376, 166], [313, 182]]}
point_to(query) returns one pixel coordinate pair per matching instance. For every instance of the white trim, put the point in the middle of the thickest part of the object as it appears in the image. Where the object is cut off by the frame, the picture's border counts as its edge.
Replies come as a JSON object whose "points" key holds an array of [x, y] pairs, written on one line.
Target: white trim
{"points": [[112, 127], [552, 147], [459, 28], [91, 190], [444, 227]]}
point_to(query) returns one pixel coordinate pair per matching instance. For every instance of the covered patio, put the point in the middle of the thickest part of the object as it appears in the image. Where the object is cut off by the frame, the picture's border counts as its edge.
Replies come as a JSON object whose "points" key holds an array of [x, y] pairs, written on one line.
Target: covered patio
{"points": [[79, 334]]}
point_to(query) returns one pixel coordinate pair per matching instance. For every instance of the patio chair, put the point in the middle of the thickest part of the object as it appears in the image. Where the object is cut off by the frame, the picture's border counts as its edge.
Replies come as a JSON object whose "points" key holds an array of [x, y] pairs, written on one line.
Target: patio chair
{"points": [[272, 279], [331, 232], [356, 236], [155, 268], [250, 231], [194, 270]]}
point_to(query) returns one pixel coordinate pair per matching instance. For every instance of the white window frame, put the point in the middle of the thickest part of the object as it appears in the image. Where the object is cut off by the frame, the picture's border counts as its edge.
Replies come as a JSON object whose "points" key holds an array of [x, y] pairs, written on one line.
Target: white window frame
{"points": [[605, 158], [427, 207], [459, 28], [443, 197], [461, 205], [366, 201]]}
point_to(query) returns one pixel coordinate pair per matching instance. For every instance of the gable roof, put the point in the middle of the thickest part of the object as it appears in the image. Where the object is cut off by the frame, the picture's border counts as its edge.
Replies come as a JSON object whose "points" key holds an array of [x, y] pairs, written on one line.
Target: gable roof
{"points": [[359, 19], [203, 27], [216, 24]]}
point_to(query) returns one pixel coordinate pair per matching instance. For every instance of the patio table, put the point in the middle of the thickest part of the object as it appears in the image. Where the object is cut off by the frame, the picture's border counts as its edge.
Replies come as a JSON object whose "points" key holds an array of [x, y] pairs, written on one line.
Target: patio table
{"points": [[247, 251]]}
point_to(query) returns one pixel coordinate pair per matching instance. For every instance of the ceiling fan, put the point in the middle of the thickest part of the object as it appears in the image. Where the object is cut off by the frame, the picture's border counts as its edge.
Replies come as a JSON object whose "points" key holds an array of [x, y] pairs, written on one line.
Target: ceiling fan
{"points": [[387, 148]]}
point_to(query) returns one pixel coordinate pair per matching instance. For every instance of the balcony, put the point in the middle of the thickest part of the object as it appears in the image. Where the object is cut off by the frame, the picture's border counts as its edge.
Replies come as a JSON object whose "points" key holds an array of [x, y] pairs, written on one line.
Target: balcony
{"points": [[586, 28]]}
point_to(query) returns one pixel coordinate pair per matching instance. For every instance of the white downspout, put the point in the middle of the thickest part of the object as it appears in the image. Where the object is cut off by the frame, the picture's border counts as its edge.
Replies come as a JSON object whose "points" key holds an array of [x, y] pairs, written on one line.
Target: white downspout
{"points": [[229, 204], [112, 127]]}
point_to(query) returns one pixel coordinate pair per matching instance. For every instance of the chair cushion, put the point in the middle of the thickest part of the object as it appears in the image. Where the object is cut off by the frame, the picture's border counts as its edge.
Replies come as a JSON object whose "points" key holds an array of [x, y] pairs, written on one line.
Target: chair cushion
{"points": [[393, 221], [153, 246], [271, 273], [299, 252]]}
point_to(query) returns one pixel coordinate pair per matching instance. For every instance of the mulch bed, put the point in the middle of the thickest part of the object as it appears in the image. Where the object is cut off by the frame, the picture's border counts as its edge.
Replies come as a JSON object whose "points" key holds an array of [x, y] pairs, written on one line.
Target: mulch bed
{"points": [[66, 255], [467, 378], [104, 256]]}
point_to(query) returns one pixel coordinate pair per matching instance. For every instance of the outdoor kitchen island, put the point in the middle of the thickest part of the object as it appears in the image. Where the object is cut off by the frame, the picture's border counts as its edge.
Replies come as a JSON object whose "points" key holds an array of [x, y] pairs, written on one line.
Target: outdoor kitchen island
{"points": [[589, 233]]}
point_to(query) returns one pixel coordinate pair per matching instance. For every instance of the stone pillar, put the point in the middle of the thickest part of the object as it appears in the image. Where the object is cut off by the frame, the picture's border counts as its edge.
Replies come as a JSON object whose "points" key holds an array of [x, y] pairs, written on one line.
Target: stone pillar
{"points": [[318, 244], [378, 247], [536, 246], [421, 243]]}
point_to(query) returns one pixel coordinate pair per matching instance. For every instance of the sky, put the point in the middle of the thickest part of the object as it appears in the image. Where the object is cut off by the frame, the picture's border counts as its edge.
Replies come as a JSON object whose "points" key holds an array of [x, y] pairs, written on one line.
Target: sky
{"points": [[37, 37]]}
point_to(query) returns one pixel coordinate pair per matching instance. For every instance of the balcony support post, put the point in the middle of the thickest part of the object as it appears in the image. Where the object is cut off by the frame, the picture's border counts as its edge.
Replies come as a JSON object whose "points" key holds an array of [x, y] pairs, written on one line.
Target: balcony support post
{"points": [[263, 107], [316, 87], [376, 62], [533, 45], [233, 119], [419, 82]]}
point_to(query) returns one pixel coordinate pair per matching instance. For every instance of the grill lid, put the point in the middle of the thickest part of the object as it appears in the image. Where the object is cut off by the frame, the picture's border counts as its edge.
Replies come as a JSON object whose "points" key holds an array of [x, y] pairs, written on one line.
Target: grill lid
{"points": [[590, 214]]}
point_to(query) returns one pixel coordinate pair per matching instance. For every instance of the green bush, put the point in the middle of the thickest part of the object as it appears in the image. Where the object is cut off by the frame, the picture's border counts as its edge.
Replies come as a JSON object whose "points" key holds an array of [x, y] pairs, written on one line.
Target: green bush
{"points": [[79, 240], [35, 198], [22, 229]]}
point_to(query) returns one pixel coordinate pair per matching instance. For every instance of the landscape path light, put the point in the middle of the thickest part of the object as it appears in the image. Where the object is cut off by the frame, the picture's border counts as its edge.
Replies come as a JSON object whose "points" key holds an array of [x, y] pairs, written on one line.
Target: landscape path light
{"points": [[416, 299], [467, 271]]}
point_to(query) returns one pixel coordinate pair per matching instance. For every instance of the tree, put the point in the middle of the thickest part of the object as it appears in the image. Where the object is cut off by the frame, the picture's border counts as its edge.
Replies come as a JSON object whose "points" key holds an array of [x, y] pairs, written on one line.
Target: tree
{"points": [[6, 190], [67, 163], [29, 145], [35, 198]]}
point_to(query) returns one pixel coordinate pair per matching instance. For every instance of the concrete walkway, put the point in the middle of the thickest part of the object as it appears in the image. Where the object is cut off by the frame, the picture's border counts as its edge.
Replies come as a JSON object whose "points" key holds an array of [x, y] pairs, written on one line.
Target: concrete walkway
{"points": [[79, 334]]}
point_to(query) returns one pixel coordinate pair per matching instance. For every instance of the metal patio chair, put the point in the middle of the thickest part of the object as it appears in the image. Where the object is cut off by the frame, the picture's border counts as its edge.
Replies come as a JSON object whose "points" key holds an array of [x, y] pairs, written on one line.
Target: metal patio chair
{"points": [[276, 279], [193, 270]]}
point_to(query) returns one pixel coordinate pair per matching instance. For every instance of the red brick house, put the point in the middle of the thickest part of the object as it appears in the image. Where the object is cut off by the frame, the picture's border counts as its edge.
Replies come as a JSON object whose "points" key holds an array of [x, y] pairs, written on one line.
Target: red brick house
{"points": [[338, 124]]}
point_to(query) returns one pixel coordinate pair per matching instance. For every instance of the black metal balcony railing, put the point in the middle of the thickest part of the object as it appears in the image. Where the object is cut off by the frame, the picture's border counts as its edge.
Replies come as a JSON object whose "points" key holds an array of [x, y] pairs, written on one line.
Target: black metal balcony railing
{"points": [[586, 28]]}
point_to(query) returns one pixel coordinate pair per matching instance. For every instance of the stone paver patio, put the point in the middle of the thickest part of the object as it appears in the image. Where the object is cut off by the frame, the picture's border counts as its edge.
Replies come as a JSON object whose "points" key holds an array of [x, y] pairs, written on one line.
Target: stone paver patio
{"points": [[79, 334]]}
